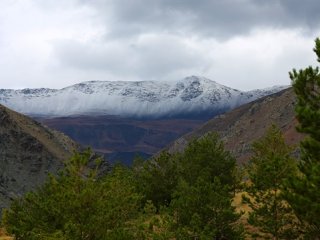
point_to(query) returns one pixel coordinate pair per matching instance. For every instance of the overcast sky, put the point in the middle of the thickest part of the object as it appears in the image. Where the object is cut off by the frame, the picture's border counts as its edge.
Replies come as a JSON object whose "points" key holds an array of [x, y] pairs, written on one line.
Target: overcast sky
{"points": [[244, 44]]}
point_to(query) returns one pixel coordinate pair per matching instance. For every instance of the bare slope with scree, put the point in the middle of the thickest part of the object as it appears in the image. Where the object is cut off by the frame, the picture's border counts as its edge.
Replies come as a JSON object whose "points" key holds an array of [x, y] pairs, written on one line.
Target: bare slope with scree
{"points": [[240, 127], [28, 152]]}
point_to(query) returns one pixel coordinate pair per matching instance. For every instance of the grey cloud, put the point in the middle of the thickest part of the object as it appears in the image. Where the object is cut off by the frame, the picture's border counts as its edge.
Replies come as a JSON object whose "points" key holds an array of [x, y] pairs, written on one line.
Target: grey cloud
{"points": [[128, 50], [302, 12], [155, 39], [151, 57], [214, 18]]}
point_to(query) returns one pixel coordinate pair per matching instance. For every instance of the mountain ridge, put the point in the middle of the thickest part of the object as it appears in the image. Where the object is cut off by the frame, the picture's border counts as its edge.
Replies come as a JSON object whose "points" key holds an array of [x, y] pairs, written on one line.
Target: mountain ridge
{"points": [[191, 95]]}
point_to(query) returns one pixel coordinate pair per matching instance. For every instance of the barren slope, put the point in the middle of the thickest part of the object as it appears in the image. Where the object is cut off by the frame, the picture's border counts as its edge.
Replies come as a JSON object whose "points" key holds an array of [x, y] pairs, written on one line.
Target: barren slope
{"points": [[28, 151], [243, 125]]}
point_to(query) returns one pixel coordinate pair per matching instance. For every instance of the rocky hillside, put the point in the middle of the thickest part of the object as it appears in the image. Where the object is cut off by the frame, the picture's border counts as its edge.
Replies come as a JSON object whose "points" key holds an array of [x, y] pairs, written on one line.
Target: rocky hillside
{"points": [[28, 152], [243, 125]]}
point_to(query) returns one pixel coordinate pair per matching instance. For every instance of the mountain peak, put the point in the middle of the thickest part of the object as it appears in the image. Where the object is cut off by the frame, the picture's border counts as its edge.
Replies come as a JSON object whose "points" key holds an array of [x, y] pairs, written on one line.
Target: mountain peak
{"points": [[191, 95]]}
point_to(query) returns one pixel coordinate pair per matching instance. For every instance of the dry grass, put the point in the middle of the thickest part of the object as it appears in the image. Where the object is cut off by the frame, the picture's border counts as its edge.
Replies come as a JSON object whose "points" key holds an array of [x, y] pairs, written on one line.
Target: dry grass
{"points": [[237, 202], [4, 235], [245, 209]]}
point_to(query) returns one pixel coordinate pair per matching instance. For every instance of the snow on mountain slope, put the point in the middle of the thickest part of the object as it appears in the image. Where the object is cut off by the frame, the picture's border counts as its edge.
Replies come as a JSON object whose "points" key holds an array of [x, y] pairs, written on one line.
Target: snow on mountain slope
{"points": [[190, 95]]}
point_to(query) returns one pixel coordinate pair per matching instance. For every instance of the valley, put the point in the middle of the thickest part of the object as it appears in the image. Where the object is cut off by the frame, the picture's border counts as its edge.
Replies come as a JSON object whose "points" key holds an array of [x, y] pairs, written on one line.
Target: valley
{"points": [[124, 119], [121, 139]]}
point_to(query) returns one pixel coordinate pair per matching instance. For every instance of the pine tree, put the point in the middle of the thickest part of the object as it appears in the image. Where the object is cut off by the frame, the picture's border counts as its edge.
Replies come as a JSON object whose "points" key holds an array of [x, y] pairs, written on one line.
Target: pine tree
{"points": [[202, 201], [203, 210], [267, 170], [157, 178], [303, 192], [206, 157]]}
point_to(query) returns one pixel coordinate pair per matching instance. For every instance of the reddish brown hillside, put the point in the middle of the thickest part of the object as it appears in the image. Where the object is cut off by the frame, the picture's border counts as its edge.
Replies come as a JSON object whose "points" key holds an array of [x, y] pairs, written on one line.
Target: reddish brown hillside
{"points": [[122, 138], [241, 126]]}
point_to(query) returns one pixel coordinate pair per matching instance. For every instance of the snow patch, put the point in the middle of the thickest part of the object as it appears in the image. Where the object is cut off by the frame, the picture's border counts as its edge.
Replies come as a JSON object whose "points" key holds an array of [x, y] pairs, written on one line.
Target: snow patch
{"points": [[142, 99]]}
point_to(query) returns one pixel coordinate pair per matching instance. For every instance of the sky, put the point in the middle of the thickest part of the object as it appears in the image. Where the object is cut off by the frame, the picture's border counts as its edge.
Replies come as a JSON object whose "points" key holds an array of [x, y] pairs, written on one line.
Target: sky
{"points": [[244, 44]]}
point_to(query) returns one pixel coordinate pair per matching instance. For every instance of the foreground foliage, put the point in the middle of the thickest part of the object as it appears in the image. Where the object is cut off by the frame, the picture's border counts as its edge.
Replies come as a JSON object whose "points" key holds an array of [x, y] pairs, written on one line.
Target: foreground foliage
{"points": [[157, 178], [194, 190], [180, 196], [202, 201], [267, 170], [204, 210], [77, 204], [302, 192]]}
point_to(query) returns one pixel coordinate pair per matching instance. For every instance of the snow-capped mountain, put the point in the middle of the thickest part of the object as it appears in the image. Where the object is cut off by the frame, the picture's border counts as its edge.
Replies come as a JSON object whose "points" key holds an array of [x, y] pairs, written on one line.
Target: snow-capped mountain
{"points": [[190, 95]]}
